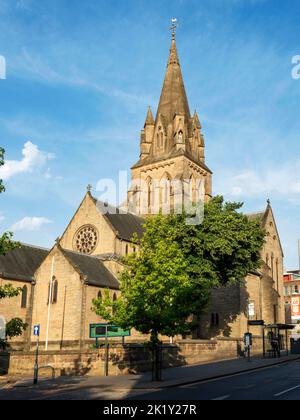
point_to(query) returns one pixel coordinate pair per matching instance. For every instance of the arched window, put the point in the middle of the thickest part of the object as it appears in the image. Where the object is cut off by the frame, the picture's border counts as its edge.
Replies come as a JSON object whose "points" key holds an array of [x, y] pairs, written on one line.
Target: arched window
{"points": [[212, 320], [24, 297], [126, 250], [180, 137], [277, 274], [100, 295], [215, 320], [161, 140], [165, 192], [193, 190], [55, 291], [148, 195], [272, 262]]}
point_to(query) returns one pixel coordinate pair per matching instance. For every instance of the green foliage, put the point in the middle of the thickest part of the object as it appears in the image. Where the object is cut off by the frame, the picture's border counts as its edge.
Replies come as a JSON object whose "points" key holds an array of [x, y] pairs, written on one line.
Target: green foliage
{"points": [[8, 291], [167, 284], [15, 328]]}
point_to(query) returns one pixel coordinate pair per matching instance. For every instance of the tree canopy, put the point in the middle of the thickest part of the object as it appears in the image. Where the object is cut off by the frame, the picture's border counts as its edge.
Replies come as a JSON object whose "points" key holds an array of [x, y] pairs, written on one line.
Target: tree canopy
{"points": [[167, 284]]}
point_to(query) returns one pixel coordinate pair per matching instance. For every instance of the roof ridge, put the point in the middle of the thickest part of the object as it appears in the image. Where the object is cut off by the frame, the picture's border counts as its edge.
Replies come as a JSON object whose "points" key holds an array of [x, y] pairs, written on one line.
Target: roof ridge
{"points": [[23, 244]]}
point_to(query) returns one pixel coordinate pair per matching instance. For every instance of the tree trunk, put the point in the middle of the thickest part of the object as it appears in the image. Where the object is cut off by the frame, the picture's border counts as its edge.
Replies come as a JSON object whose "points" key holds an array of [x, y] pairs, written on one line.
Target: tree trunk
{"points": [[156, 356]]}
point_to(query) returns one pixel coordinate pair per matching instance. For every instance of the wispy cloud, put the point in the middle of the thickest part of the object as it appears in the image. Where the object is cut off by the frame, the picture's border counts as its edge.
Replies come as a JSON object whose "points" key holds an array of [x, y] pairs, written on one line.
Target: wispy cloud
{"points": [[281, 182], [33, 159], [43, 69], [30, 224]]}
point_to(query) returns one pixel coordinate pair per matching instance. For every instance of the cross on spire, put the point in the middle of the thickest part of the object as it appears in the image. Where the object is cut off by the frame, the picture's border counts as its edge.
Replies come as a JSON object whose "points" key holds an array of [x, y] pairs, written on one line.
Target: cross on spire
{"points": [[174, 27]]}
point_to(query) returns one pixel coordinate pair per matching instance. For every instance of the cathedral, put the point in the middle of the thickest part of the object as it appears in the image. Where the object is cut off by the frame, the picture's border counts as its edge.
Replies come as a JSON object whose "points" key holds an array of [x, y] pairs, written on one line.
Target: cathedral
{"points": [[59, 284]]}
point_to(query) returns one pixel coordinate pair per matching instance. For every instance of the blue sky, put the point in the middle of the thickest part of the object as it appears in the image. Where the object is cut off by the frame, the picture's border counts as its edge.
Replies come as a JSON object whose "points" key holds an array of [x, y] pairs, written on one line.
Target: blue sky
{"points": [[80, 76]]}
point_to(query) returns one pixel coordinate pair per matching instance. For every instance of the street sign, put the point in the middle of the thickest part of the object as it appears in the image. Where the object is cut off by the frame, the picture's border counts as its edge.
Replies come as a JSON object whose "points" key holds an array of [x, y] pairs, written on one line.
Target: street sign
{"points": [[248, 339], [36, 330], [259, 323], [107, 331]]}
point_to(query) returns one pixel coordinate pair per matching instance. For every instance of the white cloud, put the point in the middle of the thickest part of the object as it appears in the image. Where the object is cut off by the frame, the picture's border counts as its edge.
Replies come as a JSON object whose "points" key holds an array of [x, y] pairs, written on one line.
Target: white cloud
{"points": [[33, 158], [281, 182], [30, 224], [2, 217]]}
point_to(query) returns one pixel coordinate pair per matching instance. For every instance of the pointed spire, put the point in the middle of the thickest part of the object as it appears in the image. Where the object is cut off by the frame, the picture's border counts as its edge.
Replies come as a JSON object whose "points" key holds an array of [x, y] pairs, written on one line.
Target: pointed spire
{"points": [[149, 118], [173, 98], [197, 121], [173, 58]]}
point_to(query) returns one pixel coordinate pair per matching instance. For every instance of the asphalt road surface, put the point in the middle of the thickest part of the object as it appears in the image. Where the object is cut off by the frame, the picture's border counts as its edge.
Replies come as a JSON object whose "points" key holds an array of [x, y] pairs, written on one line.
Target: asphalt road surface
{"points": [[280, 382]]}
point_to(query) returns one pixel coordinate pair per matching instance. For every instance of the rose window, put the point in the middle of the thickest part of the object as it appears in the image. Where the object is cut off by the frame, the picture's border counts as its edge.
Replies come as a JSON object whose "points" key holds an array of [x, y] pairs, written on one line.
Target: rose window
{"points": [[86, 239]]}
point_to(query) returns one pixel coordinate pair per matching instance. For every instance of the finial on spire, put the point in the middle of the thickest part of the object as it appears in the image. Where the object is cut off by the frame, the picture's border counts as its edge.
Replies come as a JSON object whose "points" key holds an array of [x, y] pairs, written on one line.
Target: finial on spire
{"points": [[268, 202], [149, 118], [174, 27], [89, 188]]}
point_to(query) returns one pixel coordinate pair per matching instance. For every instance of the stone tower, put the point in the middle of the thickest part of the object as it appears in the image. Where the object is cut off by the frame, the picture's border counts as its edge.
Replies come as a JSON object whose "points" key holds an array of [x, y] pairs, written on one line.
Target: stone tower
{"points": [[171, 170]]}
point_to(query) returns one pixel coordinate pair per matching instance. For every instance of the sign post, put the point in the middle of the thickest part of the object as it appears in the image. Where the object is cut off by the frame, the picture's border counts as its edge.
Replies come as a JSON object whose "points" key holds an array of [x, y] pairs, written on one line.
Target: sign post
{"points": [[36, 333], [248, 344], [106, 373], [106, 331]]}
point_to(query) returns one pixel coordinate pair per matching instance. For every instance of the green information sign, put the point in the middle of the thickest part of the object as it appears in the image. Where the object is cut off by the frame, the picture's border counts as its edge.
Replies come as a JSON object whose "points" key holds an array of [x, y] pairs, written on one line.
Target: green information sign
{"points": [[109, 331]]}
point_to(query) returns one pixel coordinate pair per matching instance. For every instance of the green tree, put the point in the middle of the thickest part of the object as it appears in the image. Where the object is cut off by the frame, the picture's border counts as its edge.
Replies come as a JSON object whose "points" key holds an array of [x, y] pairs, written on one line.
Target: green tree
{"points": [[167, 284], [16, 326]]}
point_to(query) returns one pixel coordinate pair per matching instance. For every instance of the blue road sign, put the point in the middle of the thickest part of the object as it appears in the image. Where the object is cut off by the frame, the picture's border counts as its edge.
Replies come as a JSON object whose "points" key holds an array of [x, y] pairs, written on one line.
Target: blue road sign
{"points": [[36, 330]]}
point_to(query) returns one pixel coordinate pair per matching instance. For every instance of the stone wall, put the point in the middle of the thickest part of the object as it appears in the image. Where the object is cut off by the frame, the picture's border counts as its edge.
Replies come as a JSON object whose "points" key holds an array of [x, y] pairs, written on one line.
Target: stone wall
{"points": [[132, 358]]}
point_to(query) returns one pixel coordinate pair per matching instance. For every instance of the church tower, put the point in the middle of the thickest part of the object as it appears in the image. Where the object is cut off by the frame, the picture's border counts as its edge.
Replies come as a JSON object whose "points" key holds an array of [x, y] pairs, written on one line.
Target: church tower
{"points": [[171, 170]]}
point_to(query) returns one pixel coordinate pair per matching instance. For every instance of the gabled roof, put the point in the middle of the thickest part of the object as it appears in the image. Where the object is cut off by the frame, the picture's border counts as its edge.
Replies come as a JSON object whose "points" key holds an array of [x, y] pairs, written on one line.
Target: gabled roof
{"points": [[258, 215], [125, 225], [92, 269], [262, 216], [22, 263]]}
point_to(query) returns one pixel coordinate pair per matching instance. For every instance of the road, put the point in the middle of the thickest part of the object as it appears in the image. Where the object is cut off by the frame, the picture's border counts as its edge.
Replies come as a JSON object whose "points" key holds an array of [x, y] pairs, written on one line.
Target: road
{"points": [[280, 382]]}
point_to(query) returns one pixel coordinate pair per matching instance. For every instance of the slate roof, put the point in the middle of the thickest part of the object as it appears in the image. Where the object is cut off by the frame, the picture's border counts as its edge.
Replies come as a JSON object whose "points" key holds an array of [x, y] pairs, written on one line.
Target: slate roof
{"points": [[125, 224], [22, 263], [258, 215], [93, 269]]}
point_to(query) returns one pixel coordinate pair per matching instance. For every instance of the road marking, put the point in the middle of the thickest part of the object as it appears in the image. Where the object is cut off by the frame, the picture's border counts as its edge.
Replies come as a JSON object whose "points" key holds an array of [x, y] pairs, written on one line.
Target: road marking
{"points": [[225, 397], [286, 391]]}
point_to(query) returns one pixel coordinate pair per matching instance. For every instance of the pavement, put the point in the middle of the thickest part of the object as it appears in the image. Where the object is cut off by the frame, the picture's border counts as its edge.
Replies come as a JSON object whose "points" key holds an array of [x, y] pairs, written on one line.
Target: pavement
{"points": [[141, 386]]}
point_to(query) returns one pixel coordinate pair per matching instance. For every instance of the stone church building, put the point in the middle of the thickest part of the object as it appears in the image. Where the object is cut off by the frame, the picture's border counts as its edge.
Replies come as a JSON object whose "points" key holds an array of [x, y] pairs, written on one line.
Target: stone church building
{"points": [[59, 285]]}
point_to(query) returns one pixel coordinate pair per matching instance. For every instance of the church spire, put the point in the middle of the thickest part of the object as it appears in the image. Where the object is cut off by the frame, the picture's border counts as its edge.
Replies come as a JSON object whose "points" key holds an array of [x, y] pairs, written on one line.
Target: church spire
{"points": [[173, 98], [149, 118]]}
